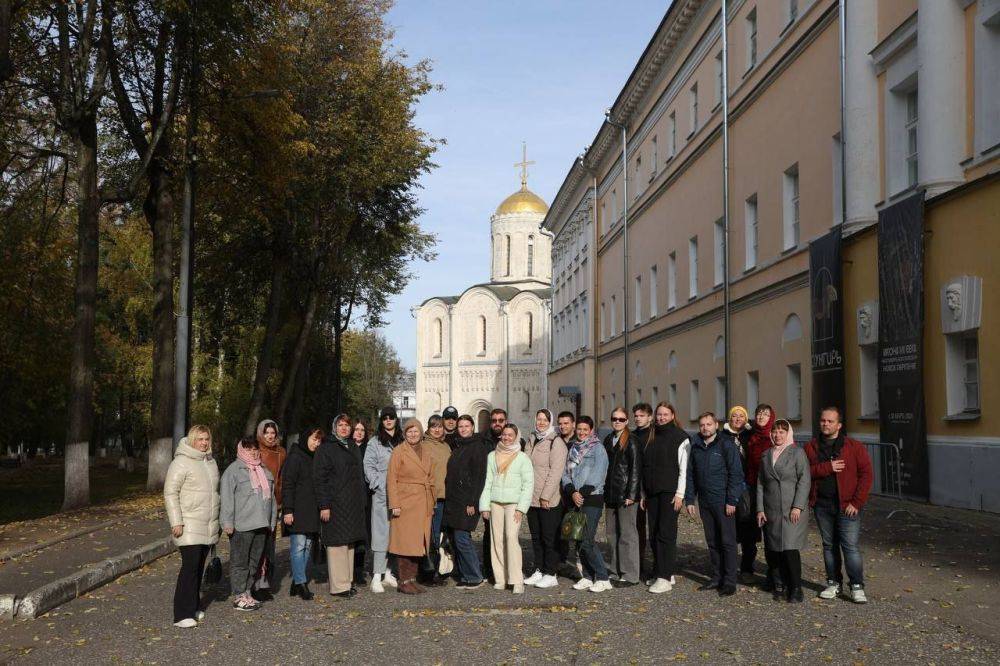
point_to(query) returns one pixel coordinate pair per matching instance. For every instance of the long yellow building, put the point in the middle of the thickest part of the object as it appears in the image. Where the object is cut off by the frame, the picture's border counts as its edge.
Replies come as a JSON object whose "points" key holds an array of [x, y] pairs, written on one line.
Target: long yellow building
{"points": [[898, 140]]}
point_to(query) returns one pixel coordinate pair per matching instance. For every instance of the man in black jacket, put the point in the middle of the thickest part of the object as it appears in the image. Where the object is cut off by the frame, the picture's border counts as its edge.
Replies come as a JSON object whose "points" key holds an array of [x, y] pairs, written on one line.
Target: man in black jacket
{"points": [[449, 418], [715, 478]]}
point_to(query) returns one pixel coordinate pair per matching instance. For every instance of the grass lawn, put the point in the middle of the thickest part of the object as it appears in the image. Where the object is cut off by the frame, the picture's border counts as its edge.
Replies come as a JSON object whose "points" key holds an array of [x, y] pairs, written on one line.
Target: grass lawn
{"points": [[36, 490]]}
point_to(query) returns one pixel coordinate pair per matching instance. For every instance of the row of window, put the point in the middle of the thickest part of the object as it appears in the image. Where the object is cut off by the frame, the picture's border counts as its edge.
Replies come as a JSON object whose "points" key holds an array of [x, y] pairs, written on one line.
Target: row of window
{"points": [[506, 258], [527, 334]]}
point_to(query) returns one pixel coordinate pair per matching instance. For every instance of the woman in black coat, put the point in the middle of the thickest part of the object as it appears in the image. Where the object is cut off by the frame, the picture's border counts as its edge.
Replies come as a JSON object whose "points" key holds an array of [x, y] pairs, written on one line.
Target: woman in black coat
{"points": [[463, 485], [341, 493], [621, 497], [300, 512]]}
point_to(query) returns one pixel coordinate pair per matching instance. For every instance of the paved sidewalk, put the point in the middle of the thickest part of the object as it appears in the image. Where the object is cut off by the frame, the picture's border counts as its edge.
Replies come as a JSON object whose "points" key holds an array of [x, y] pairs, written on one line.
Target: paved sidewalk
{"points": [[931, 579]]}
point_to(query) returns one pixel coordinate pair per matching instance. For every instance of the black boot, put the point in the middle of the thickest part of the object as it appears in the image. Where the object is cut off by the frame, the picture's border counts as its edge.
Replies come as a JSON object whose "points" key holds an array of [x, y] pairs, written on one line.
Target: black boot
{"points": [[795, 595], [293, 590], [305, 593]]}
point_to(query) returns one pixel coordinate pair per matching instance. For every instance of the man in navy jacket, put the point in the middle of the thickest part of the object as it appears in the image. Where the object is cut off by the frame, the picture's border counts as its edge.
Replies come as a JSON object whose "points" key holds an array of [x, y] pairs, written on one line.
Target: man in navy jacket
{"points": [[715, 479]]}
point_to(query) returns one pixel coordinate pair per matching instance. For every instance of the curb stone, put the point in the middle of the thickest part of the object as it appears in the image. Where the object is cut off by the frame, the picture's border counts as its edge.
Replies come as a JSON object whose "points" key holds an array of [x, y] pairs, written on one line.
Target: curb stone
{"points": [[58, 592], [42, 545]]}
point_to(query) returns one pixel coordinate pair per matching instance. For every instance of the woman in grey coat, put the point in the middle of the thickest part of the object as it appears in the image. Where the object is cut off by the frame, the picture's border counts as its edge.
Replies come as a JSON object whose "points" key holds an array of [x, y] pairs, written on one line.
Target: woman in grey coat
{"points": [[782, 499], [376, 465]]}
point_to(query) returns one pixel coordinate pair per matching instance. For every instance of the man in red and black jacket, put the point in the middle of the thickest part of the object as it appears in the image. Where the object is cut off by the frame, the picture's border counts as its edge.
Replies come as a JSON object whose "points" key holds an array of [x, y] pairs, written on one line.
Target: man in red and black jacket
{"points": [[841, 480]]}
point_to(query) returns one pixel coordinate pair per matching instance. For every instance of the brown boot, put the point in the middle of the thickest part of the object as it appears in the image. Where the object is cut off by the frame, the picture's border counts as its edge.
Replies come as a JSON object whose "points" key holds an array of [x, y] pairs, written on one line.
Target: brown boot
{"points": [[409, 587]]}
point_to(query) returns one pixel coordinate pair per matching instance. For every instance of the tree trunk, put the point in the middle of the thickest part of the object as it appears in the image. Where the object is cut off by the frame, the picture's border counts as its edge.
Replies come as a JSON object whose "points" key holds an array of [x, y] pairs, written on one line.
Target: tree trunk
{"points": [[338, 357], [294, 416], [6, 26], [159, 211], [299, 352], [81, 380], [266, 356]]}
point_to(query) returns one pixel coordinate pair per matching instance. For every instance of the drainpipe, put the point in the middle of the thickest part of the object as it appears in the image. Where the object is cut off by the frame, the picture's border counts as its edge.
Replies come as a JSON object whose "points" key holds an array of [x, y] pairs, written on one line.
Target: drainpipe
{"points": [[625, 323], [726, 297], [842, 9]]}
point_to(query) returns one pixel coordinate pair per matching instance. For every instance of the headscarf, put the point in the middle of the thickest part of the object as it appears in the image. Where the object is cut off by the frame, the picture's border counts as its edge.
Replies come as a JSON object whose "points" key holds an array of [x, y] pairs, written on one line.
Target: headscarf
{"points": [[758, 442], [413, 423], [579, 451], [350, 436], [548, 433], [778, 449], [258, 479], [262, 426], [303, 442], [507, 453]]}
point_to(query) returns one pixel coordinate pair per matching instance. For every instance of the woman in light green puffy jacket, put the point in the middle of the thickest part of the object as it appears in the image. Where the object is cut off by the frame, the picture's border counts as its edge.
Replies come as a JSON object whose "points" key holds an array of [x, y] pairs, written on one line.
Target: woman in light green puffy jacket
{"points": [[191, 495], [510, 479]]}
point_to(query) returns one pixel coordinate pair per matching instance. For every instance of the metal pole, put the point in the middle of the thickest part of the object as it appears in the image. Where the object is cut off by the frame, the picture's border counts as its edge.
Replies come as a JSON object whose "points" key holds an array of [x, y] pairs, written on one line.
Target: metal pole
{"points": [[185, 300], [842, 9], [726, 306]]}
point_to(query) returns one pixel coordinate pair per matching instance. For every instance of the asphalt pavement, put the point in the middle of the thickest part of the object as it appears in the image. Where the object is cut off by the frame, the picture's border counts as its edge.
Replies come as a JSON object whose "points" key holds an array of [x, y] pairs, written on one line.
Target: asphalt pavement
{"points": [[931, 579]]}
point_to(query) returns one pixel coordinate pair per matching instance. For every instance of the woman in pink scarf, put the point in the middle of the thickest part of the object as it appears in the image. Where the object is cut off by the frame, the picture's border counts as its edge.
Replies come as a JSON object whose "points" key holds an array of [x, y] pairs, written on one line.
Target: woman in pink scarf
{"points": [[247, 512]]}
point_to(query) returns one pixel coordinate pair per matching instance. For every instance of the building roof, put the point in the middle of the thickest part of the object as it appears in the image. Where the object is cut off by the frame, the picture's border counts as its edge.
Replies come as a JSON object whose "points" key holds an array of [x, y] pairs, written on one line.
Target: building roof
{"points": [[504, 292], [522, 201]]}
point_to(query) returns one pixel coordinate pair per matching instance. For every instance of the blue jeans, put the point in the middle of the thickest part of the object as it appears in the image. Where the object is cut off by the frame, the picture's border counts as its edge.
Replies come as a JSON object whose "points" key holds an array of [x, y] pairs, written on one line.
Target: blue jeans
{"points": [[299, 551], [590, 554], [466, 557], [840, 533], [433, 558]]}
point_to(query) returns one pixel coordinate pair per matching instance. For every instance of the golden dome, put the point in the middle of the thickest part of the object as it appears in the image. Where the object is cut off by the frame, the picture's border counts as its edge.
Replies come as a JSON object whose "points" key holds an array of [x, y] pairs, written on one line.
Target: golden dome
{"points": [[522, 201]]}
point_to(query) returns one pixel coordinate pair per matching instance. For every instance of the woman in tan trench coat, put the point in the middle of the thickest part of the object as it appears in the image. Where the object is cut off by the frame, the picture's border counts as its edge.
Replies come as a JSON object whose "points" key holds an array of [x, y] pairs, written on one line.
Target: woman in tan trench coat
{"points": [[410, 498]]}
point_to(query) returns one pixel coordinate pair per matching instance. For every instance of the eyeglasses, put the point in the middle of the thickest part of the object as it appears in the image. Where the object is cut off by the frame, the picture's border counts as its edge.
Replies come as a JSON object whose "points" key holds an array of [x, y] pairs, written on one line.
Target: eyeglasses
{"points": [[619, 419], [498, 420], [388, 418]]}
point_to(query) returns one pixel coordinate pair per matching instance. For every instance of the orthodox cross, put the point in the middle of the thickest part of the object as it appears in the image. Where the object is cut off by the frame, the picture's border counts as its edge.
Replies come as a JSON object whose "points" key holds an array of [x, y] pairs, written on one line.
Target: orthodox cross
{"points": [[524, 164]]}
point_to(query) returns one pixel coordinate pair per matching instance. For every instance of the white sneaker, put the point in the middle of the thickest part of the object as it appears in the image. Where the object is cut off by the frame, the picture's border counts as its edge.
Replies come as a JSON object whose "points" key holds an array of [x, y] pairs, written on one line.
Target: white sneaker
{"points": [[660, 586], [533, 578], [499, 586], [186, 623], [830, 591], [389, 579], [858, 595], [200, 615], [547, 581], [601, 586], [376, 584], [518, 588], [583, 584]]}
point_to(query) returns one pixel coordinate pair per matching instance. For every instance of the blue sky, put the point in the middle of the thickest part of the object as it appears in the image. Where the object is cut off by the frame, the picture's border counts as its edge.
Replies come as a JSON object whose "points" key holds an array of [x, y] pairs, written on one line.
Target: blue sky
{"points": [[540, 71]]}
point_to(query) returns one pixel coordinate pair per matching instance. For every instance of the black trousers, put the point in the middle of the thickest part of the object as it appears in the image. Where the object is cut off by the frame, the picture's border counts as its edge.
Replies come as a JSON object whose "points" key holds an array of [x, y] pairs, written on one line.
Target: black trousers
{"points": [[487, 557], [662, 521], [720, 537], [187, 594], [789, 563], [544, 527]]}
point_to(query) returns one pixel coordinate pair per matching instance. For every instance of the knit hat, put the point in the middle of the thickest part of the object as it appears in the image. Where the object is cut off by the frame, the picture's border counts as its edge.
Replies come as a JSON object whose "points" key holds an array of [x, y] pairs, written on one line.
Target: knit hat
{"points": [[739, 409], [413, 423], [387, 411]]}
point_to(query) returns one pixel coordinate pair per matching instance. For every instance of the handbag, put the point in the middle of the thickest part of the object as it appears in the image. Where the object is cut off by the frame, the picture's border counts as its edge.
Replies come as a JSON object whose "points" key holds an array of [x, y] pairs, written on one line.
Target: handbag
{"points": [[446, 563], [213, 572], [745, 508], [574, 525]]}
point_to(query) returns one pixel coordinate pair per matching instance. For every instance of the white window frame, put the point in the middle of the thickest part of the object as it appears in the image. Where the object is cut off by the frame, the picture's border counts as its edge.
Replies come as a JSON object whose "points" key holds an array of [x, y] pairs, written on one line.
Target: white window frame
{"points": [[614, 317], [672, 281], [753, 391], [653, 305], [656, 159], [963, 374], [793, 391], [672, 121], [791, 234], [693, 267], [693, 108], [751, 38], [693, 399], [718, 78], [912, 148], [750, 220], [637, 300]]}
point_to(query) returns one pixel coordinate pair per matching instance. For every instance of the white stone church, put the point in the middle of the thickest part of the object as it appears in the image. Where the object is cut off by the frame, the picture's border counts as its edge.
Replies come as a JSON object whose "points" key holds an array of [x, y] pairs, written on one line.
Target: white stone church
{"points": [[489, 346]]}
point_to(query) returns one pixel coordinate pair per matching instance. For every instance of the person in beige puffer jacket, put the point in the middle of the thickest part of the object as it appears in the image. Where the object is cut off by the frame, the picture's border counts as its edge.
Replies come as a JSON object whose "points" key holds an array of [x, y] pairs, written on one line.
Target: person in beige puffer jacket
{"points": [[191, 495]]}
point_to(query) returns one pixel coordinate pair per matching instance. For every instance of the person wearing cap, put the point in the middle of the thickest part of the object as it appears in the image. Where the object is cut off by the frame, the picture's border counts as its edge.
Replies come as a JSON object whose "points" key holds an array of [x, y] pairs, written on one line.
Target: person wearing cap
{"points": [[449, 418], [410, 497], [376, 465]]}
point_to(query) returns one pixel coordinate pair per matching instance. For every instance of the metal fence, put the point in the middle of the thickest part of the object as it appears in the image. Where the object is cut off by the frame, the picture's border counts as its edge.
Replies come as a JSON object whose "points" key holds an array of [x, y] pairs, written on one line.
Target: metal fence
{"points": [[885, 468]]}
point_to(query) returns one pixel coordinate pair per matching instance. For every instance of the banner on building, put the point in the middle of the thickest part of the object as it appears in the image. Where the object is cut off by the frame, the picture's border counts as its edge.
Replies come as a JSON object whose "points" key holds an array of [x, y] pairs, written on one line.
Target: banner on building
{"points": [[900, 348], [826, 287]]}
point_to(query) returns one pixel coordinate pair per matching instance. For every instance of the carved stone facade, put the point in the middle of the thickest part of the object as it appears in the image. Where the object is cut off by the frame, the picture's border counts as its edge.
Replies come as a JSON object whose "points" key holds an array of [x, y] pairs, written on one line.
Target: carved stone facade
{"points": [[489, 346]]}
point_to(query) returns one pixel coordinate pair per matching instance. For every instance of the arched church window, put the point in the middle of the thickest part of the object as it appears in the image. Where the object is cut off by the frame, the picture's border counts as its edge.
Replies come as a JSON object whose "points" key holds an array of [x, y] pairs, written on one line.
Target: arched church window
{"points": [[508, 255], [482, 334], [526, 404], [438, 337], [531, 256], [529, 330]]}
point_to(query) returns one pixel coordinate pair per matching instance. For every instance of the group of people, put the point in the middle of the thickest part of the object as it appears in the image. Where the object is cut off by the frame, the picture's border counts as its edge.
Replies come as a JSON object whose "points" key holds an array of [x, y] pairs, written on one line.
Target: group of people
{"points": [[414, 496]]}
